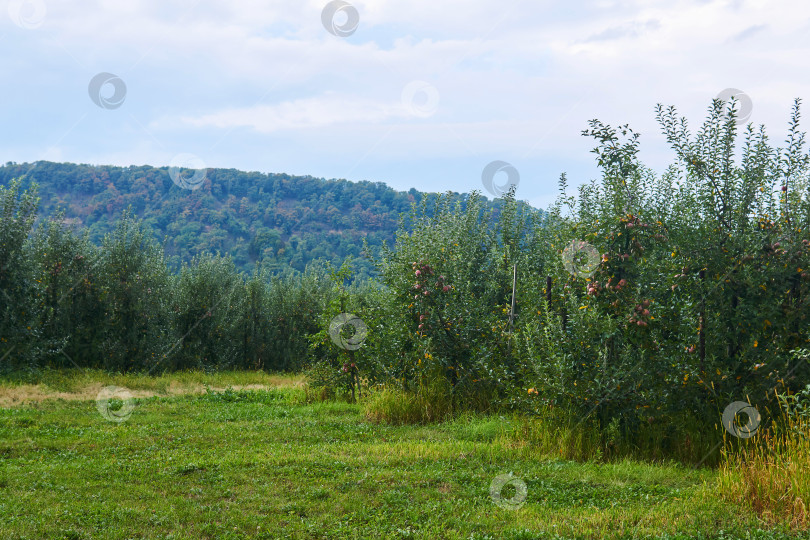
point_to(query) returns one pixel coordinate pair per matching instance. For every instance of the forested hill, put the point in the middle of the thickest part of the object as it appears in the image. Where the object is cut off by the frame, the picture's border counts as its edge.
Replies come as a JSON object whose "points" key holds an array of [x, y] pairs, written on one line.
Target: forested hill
{"points": [[284, 221]]}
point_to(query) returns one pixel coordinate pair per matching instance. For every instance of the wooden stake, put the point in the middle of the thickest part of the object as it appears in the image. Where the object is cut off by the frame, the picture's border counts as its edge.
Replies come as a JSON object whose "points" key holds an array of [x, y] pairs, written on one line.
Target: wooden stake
{"points": [[514, 286], [702, 326]]}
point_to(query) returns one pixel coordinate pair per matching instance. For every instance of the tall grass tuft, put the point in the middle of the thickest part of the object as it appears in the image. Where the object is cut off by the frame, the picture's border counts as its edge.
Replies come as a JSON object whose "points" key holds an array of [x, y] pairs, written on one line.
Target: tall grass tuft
{"points": [[561, 434], [554, 435], [430, 403], [771, 471]]}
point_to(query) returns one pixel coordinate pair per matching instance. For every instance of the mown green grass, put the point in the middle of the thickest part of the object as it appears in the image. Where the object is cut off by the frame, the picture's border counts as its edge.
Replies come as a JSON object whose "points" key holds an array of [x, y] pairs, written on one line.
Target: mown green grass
{"points": [[265, 464]]}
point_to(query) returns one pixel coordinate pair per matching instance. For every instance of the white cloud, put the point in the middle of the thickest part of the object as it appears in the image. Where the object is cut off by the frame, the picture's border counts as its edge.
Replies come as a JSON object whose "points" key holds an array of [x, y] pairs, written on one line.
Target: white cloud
{"points": [[294, 115]]}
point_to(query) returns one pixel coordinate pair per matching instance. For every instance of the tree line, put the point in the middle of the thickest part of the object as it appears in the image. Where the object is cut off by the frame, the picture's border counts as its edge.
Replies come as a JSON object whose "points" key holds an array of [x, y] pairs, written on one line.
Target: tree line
{"points": [[67, 302], [278, 221]]}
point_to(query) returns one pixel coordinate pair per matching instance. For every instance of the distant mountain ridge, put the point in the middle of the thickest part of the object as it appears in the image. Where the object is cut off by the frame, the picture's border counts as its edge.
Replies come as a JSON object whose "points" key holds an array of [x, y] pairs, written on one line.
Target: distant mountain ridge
{"points": [[280, 219]]}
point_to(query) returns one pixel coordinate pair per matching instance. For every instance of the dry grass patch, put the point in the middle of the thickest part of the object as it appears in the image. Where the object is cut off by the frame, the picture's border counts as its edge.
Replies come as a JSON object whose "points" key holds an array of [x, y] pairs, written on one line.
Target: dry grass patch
{"points": [[84, 385], [771, 473]]}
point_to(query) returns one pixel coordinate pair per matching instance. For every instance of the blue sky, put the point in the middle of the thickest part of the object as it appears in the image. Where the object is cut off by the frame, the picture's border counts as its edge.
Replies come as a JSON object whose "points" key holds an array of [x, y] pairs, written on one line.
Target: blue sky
{"points": [[421, 93]]}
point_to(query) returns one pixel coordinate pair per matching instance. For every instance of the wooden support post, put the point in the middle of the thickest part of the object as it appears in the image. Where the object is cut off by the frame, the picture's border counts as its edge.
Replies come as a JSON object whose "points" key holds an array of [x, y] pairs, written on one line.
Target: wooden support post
{"points": [[702, 325], [514, 286]]}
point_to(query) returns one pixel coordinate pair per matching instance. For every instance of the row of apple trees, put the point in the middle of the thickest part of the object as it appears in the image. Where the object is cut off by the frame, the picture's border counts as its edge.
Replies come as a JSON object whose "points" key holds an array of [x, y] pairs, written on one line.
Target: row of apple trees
{"points": [[644, 299]]}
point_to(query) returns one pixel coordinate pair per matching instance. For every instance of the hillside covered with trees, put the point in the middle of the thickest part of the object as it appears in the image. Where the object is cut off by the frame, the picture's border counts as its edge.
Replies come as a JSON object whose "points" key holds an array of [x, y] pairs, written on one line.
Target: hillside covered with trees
{"points": [[279, 220]]}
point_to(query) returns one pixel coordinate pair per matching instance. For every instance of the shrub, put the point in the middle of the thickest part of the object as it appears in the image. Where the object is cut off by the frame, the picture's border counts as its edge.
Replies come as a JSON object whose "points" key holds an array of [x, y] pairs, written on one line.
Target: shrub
{"points": [[70, 308], [702, 287], [20, 347], [449, 288], [135, 288]]}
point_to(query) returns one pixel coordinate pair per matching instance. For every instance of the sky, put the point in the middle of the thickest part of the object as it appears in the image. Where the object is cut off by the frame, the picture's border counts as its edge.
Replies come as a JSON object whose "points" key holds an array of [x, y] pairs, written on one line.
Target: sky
{"points": [[456, 95]]}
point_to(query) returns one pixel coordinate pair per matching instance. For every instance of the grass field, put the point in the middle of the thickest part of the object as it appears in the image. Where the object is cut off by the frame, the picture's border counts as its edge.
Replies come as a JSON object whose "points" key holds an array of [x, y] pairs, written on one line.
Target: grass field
{"points": [[260, 462]]}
